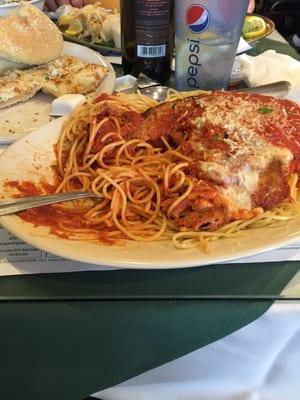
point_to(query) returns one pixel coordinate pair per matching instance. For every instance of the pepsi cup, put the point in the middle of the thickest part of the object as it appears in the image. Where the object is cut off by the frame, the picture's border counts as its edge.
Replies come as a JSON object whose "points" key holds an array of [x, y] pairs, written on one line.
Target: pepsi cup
{"points": [[207, 34]]}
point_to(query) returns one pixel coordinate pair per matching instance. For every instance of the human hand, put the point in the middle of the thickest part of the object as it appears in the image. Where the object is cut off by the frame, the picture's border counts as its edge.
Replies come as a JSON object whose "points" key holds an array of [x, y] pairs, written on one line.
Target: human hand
{"points": [[52, 5], [251, 6]]}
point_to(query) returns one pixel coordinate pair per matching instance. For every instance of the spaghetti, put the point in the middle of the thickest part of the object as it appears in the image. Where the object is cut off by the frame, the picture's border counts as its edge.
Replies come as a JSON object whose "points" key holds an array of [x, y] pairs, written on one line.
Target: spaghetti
{"points": [[152, 188]]}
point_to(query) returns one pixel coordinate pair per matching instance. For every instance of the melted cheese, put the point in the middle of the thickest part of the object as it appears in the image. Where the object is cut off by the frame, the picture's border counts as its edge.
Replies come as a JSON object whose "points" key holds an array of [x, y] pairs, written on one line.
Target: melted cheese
{"points": [[236, 171], [65, 75]]}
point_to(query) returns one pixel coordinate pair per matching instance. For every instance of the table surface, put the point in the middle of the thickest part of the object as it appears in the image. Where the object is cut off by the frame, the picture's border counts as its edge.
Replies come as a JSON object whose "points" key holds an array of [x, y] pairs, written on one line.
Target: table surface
{"points": [[63, 335]]}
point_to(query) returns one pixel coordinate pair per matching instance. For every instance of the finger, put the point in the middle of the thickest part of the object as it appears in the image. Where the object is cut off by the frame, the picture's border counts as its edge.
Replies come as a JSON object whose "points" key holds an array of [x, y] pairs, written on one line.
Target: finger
{"points": [[51, 4], [251, 6], [77, 3], [62, 2]]}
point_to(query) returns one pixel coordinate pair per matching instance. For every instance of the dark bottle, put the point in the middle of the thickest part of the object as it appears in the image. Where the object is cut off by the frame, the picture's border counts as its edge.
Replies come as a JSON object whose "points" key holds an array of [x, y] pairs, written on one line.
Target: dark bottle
{"points": [[147, 37]]}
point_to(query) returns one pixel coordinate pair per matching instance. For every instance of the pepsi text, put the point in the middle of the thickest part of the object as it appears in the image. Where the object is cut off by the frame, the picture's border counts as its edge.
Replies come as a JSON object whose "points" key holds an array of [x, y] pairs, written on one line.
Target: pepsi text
{"points": [[194, 63]]}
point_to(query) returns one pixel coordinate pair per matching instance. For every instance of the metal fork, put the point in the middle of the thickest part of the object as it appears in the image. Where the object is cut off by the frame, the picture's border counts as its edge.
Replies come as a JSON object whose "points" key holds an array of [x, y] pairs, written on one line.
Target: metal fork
{"points": [[14, 205]]}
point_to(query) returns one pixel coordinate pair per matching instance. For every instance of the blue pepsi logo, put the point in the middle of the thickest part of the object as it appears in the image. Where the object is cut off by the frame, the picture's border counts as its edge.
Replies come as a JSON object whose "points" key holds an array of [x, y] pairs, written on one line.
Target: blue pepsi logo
{"points": [[197, 18]]}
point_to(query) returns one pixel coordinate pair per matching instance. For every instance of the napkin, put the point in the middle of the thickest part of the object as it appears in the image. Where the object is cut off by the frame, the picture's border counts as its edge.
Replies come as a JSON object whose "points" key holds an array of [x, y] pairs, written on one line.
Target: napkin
{"points": [[269, 67], [243, 46], [257, 362]]}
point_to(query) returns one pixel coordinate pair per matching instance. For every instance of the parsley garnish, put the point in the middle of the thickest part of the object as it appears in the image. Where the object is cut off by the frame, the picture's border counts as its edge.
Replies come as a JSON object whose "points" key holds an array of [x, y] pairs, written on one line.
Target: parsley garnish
{"points": [[215, 137], [265, 110]]}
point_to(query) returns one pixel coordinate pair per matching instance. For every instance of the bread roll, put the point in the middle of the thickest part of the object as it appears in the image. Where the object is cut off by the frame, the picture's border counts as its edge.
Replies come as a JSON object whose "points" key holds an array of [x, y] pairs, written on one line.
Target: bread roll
{"points": [[28, 37]]}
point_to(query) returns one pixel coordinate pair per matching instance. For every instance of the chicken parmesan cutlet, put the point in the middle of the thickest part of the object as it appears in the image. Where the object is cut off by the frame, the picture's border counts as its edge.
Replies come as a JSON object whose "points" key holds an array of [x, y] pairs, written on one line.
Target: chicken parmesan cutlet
{"points": [[243, 150]]}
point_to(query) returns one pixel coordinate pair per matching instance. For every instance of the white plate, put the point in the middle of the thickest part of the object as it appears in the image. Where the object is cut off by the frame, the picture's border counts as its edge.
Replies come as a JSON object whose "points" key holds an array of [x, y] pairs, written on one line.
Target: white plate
{"points": [[23, 118], [29, 159]]}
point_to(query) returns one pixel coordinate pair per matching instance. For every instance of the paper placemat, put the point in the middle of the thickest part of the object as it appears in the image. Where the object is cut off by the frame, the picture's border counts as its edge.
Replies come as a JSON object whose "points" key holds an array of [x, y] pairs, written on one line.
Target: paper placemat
{"points": [[18, 258]]}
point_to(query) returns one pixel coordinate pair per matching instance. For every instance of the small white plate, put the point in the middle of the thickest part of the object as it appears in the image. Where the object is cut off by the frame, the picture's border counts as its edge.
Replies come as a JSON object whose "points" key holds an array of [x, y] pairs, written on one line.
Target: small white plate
{"points": [[24, 118], [30, 159]]}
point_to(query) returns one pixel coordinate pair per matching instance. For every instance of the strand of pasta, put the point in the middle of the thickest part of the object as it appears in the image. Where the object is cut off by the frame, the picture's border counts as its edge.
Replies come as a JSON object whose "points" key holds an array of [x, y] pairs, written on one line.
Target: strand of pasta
{"points": [[130, 176], [115, 199]]}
